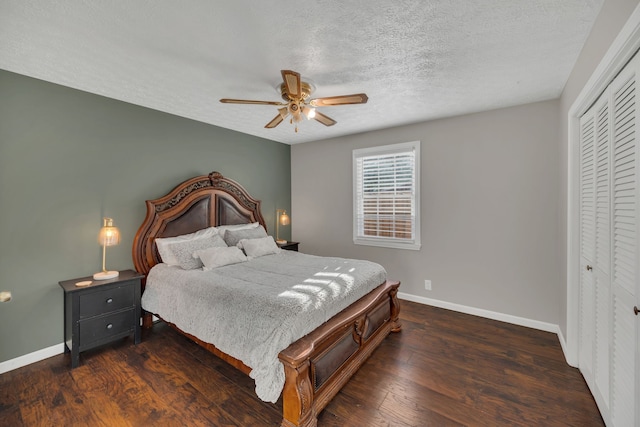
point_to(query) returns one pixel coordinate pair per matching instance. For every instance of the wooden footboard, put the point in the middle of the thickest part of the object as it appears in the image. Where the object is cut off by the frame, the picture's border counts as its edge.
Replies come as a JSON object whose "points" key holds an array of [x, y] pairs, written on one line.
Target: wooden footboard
{"points": [[319, 364]]}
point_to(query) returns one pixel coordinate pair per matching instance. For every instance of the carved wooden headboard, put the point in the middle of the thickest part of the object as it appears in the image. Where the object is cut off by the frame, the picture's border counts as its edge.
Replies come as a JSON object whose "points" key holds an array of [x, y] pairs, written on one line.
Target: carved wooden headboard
{"points": [[200, 202]]}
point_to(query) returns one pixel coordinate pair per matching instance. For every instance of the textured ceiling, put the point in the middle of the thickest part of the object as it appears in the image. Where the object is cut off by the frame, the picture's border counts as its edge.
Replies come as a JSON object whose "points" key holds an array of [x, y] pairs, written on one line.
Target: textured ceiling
{"points": [[416, 60]]}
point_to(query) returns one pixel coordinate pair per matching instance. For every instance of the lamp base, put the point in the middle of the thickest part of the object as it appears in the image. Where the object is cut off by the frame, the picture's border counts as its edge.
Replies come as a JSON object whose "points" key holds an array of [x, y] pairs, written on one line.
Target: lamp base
{"points": [[281, 242], [104, 275]]}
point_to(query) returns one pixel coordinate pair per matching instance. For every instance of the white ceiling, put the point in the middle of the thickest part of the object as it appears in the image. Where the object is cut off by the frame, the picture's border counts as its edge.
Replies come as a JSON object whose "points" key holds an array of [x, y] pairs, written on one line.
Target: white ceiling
{"points": [[417, 60]]}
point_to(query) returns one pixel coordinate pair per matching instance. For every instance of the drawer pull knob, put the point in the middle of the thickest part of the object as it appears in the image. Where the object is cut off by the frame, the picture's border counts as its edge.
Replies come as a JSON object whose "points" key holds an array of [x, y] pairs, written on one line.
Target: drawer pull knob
{"points": [[109, 301], [110, 325]]}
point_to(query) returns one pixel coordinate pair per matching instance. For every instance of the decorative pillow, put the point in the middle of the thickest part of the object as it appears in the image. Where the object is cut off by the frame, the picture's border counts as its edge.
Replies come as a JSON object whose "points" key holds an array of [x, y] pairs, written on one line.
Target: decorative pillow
{"points": [[255, 248], [219, 257], [183, 250], [162, 243], [222, 228], [232, 237]]}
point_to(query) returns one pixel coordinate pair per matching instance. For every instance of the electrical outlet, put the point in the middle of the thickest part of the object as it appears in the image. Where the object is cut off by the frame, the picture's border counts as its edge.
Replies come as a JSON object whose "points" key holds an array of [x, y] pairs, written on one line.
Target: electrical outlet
{"points": [[427, 285]]}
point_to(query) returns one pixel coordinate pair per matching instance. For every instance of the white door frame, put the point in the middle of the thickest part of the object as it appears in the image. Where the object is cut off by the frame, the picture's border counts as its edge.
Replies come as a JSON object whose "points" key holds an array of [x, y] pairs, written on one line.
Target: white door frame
{"points": [[620, 52]]}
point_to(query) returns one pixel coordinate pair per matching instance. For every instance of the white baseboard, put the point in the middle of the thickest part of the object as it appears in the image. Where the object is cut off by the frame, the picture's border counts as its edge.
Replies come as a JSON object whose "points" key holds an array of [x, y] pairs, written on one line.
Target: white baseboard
{"points": [[563, 344], [515, 320], [30, 358]]}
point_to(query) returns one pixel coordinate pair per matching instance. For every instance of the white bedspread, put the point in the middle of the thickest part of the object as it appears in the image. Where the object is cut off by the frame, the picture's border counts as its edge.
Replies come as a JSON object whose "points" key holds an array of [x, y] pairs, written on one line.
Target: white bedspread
{"points": [[254, 310]]}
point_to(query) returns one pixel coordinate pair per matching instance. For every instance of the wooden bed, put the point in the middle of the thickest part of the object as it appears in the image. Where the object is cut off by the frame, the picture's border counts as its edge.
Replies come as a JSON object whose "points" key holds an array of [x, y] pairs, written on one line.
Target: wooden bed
{"points": [[317, 365]]}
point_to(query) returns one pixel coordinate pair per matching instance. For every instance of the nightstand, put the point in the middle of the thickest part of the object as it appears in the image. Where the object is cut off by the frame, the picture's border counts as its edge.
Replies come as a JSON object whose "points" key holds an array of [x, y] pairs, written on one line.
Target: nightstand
{"points": [[104, 311], [289, 246]]}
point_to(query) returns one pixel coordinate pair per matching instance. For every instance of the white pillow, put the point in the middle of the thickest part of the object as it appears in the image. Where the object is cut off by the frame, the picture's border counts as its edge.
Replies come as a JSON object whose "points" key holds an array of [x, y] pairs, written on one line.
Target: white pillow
{"points": [[232, 237], [218, 257], [162, 243], [182, 251], [255, 248], [222, 228]]}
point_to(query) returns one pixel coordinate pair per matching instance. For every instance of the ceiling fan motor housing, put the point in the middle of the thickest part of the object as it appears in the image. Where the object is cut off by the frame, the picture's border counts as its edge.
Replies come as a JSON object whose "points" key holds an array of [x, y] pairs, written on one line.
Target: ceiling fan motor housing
{"points": [[306, 89]]}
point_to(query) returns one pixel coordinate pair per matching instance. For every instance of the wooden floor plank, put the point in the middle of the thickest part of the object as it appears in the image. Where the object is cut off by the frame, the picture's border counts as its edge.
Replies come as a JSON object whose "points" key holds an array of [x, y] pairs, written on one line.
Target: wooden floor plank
{"points": [[406, 409], [209, 376], [443, 369]]}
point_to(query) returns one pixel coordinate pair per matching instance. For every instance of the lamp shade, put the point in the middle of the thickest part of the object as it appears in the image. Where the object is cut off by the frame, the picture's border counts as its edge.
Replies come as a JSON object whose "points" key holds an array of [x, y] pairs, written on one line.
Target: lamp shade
{"points": [[109, 235], [284, 219]]}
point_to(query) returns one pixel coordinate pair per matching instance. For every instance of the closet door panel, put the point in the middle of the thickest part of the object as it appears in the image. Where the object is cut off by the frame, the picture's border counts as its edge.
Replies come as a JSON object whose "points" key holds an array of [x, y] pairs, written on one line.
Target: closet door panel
{"points": [[625, 277], [587, 243], [601, 268]]}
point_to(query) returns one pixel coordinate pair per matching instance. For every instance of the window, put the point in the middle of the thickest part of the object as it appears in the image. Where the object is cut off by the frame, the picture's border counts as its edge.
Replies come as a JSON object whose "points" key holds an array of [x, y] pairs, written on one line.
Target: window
{"points": [[386, 209]]}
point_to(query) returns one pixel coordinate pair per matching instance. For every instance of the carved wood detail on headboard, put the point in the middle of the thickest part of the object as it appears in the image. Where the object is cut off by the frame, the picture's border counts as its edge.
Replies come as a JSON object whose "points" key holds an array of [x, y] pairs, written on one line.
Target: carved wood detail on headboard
{"points": [[200, 202]]}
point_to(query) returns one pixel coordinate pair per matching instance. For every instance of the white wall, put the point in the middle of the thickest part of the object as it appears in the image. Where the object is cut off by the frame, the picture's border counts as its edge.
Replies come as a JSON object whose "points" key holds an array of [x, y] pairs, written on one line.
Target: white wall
{"points": [[490, 202]]}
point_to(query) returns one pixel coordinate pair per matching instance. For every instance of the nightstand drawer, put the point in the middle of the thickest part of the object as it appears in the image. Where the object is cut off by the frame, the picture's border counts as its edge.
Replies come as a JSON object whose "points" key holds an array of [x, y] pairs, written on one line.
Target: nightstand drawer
{"points": [[99, 328], [92, 304]]}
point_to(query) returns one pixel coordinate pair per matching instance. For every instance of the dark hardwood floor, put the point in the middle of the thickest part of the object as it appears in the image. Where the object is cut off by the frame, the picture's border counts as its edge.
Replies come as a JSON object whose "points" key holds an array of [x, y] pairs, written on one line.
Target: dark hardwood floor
{"points": [[443, 369]]}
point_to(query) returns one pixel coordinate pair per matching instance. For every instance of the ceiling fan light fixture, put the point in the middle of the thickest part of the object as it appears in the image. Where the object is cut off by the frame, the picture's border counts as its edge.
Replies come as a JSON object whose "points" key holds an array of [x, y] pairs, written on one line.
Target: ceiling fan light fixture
{"points": [[294, 109], [309, 112]]}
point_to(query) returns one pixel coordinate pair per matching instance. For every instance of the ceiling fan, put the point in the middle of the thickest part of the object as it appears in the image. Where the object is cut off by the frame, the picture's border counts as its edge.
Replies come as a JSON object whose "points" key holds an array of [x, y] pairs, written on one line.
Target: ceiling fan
{"points": [[297, 104]]}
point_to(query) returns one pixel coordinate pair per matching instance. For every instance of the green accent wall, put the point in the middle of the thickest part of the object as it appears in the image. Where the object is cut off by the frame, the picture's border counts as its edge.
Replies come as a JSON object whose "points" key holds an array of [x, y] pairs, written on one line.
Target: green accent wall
{"points": [[68, 158]]}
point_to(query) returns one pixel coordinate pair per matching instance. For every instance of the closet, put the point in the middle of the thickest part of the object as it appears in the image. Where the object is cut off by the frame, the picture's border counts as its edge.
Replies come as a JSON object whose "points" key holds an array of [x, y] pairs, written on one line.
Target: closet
{"points": [[609, 326]]}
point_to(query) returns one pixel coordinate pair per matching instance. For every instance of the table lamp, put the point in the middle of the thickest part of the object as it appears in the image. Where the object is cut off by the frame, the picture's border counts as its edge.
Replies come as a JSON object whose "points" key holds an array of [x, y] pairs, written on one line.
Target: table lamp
{"points": [[281, 219], [108, 236]]}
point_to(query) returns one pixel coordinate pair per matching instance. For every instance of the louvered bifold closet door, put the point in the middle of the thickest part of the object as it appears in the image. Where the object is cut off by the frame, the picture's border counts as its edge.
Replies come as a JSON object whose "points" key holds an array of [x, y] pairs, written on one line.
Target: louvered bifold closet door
{"points": [[609, 358], [625, 262]]}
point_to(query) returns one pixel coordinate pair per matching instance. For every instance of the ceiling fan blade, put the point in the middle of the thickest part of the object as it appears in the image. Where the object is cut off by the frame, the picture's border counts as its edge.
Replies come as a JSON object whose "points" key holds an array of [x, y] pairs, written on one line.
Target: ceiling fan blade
{"points": [[275, 122], [357, 98], [325, 120], [248, 101], [292, 83]]}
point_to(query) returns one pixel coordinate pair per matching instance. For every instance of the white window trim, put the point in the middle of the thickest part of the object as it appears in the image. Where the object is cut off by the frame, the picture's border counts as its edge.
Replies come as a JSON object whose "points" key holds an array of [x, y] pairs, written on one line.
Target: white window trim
{"points": [[388, 242]]}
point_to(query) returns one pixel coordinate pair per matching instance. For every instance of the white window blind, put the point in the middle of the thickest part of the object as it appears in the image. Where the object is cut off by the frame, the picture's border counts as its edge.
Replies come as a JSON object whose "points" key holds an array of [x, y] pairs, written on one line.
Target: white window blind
{"points": [[386, 196]]}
